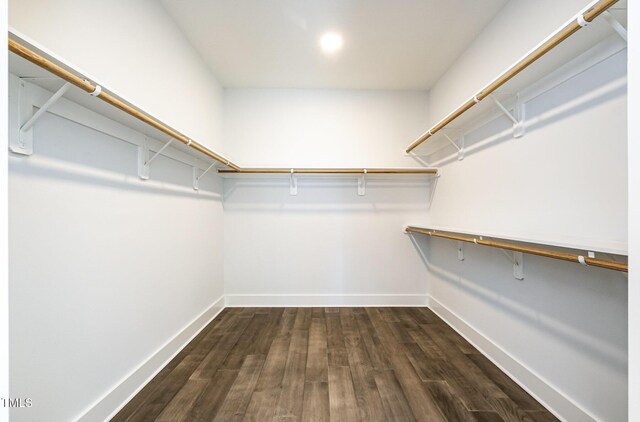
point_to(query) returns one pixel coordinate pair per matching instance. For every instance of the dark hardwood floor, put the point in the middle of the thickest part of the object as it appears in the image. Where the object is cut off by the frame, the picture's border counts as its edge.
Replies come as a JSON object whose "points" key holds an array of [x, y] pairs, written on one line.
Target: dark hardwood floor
{"points": [[331, 364]]}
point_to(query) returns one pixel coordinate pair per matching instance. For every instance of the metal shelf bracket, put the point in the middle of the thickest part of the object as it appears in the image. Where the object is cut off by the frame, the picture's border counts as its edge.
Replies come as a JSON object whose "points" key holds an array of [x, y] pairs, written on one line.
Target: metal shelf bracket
{"points": [[362, 183], [196, 178], [617, 26], [23, 142], [460, 147], [143, 158], [518, 263], [293, 184], [517, 117], [460, 251]]}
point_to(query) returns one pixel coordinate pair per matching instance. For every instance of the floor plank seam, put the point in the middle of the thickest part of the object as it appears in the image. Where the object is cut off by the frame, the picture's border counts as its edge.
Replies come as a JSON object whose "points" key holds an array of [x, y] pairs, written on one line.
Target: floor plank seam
{"points": [[331, 364]]}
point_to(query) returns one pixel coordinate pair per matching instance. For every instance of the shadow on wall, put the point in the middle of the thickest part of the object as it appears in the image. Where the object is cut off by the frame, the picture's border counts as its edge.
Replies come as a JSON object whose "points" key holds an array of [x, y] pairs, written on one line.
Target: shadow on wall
{"points": [[583, 307], [600, 84], [329, 193], [74, 153]]}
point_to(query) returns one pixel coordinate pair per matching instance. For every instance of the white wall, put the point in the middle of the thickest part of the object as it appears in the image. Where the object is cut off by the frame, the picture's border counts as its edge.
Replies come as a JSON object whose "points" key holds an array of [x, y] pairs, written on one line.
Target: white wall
{"points": [[4, 273], [105, 268], [634, 211], [564, 181], [134, 49], [566, 325], [322, 128], [517, 28], [123, 266], [327, 241], [324, 243]]}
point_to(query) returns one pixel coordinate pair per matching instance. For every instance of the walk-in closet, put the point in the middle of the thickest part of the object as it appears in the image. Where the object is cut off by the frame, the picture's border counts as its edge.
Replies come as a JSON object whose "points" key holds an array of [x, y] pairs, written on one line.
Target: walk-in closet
{"points": [[304, 210]]}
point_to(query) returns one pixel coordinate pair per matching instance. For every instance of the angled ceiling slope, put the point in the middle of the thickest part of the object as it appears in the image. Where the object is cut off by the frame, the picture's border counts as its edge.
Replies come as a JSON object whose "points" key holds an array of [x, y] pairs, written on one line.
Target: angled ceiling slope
{"points": [[388, 44]]}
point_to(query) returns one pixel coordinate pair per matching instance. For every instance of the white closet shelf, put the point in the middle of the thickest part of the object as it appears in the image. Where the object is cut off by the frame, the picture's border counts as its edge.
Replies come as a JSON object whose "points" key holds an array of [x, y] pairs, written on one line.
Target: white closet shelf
{"points": [[600, 39], [567, 242], [285, 172], [387, 177], [519, 250], [34, 65]]}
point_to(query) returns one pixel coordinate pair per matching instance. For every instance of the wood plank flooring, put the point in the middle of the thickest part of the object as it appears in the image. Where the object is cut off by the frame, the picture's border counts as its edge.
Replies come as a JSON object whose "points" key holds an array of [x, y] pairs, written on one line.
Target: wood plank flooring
{"points": [[331, 364]]}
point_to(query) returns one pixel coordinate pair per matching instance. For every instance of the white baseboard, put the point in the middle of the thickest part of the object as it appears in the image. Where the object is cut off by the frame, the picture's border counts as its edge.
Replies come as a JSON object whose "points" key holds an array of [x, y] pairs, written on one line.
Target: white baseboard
{"points": [[115, 399], [545, 393], [325, 300]]}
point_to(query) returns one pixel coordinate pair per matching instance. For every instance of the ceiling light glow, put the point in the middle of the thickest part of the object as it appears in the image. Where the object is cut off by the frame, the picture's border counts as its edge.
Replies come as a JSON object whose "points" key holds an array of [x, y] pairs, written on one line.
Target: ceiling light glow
{"points": [[331, 42]]}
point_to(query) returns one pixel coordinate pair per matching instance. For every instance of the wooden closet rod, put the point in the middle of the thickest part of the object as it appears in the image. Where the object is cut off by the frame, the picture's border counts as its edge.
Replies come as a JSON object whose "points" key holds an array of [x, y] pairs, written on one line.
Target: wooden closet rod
{"points": [[334, 171], [594, 262], [87, 86], [556, 39], [95, 90]]}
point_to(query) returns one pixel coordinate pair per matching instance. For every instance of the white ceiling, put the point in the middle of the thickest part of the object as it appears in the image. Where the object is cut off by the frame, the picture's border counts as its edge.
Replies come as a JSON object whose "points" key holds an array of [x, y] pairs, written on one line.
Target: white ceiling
{"points": [[388, 44]]}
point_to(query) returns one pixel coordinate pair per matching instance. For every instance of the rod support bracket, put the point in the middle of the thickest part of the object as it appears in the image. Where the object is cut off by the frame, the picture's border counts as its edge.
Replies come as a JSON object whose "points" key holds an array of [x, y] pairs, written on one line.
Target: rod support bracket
{"points": [[144, 162], [518, 265], [517, 117], [293, 183], [22, 141], [460, 250], [519, 111], [459, 146], [143, 158], [581, 21], [362, 183], [96, 91], [196, 177], [517, 259], [617, 26]]}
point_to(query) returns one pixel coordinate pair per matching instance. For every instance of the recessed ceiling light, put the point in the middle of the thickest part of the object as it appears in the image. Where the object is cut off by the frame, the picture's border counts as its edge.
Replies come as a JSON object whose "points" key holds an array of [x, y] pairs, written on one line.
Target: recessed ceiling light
{"points": [[331, 42]]}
